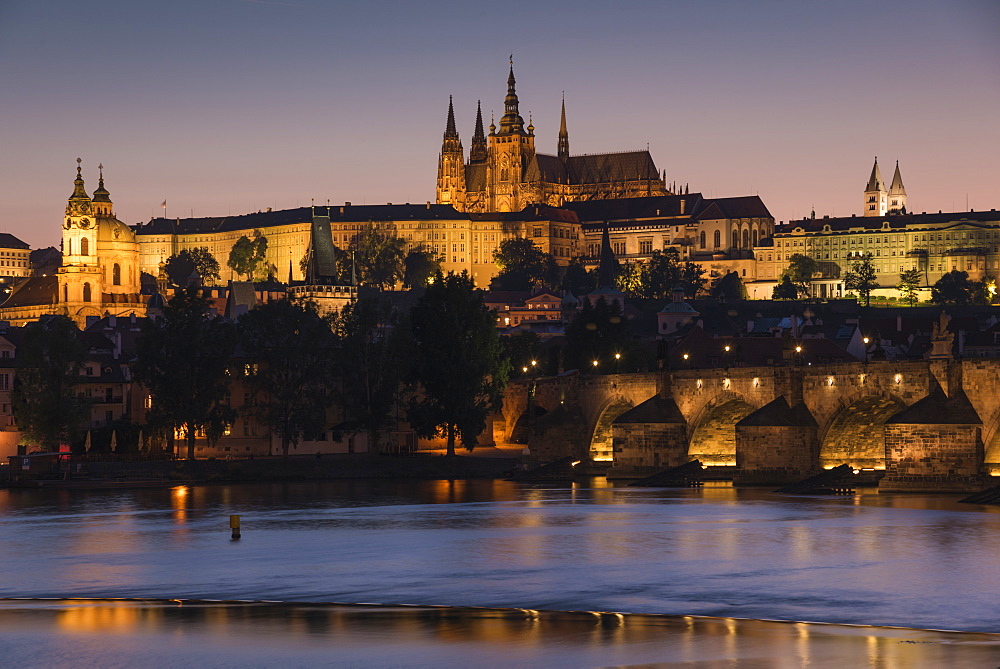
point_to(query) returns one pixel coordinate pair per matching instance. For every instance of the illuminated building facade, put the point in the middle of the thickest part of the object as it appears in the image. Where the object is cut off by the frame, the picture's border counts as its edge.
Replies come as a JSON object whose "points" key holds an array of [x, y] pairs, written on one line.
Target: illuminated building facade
{"points": [[99, 273], [505, 173]]}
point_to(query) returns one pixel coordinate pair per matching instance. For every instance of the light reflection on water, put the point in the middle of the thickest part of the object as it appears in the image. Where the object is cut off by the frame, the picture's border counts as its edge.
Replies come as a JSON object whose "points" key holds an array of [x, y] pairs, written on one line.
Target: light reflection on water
{"points": [[869, 559], [157, 634]]}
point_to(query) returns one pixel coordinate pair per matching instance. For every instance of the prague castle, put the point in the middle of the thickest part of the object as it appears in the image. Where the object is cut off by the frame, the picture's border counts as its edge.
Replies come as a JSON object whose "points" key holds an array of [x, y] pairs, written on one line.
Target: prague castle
{"points": [[505, 173]]}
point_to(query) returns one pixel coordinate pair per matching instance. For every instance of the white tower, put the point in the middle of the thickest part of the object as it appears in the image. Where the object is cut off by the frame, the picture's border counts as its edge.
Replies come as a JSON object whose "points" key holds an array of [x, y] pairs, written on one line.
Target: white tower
{"points": [[876, 196], [897, 194]]}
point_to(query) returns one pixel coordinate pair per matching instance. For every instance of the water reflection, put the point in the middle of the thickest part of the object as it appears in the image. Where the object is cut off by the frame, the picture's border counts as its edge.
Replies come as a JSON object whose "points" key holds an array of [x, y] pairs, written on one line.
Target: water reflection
{"points": [[164, 633]]}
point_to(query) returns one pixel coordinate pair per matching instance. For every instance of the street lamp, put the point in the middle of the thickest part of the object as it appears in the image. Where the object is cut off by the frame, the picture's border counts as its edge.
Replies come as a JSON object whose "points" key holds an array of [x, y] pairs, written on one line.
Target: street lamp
{"points": [[618, 357], [595, 364]]}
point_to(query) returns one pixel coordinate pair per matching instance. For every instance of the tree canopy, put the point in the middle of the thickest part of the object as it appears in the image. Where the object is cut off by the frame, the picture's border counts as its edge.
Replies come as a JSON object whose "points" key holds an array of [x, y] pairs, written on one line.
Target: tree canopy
{"points": [[523, 265], [378, 253], [292, 350], [182, 358], [181, 265], [45, 403], [785, 289], [862, 277], [419, 266], [249, 256], [372, 361], [800, 271], [909, 283], [956, 287], [457, 362], [597, 332]]}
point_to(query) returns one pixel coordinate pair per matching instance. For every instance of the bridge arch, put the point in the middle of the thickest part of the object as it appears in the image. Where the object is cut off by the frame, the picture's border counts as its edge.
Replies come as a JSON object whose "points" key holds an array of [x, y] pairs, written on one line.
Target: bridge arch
{"points": [[854, 434], [601, 444], [712, 437], [991, 442]]}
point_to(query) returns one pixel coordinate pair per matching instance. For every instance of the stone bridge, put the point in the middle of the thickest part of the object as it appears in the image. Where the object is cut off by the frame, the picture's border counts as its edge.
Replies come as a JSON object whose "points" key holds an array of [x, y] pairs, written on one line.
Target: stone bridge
{"points": [[932, 425]]}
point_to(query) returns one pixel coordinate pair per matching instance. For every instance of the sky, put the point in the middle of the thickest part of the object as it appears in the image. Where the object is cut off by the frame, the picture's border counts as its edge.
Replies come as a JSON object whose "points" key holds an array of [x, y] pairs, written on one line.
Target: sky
{"points": [[225, 107]]}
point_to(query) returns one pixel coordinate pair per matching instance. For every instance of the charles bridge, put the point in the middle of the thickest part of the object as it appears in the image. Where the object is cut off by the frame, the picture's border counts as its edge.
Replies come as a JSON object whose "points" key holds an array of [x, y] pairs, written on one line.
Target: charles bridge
{"points": [[931, 425]]}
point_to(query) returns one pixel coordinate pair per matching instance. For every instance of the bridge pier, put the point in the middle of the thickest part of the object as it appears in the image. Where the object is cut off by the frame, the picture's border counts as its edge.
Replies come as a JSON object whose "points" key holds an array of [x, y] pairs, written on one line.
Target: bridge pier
{"points": [[935, 445], [777, 444]]}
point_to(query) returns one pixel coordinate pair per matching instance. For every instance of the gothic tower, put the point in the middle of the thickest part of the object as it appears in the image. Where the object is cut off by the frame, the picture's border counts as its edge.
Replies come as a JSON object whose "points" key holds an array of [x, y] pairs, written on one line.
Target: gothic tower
{"points": [[897, 194], [451, 165], [510, 149], [80, 275], [876, 197], [563, 151], [478, 154]]}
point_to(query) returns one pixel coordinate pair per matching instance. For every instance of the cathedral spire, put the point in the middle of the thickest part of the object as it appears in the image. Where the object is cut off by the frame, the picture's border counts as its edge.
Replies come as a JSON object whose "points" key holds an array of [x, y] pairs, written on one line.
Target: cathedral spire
{"points": [[449, 131], [563, 133], [511, 123], [478, 152]]}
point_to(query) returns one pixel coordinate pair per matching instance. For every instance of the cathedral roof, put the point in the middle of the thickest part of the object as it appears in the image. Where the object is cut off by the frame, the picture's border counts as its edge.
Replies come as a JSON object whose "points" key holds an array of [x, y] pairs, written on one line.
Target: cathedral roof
{"points": [[475, 177], [611, 167], [33, 292]]}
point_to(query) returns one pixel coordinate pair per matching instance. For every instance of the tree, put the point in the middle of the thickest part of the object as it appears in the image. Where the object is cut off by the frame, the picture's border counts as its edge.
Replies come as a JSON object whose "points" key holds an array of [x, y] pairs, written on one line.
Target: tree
{"points": [[372, 362], [183, 358], [522, 264], [521, 350], [180, 266], [249, 256], [577, 279], [956, 287], [457, 361], [419, 266], [862, 277], [800, 271], [379, 255], [693, 278], [909, 283], [632, 279], [785, 290], [291, 346], [46, 406], [597, 332]]}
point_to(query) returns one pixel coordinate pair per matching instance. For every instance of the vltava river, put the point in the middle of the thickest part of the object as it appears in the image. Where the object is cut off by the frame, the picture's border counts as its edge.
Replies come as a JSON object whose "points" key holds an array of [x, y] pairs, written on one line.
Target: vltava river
{"points": [[870, 559]]}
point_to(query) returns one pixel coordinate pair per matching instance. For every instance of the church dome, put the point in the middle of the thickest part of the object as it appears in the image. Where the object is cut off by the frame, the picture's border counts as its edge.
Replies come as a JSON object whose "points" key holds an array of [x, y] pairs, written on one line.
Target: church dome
{"points": [[113, 230]]}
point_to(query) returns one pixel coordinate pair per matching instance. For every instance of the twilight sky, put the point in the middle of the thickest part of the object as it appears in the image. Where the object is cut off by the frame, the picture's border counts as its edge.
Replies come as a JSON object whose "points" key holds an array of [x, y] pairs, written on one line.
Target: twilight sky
{"points": [[230, 106]]}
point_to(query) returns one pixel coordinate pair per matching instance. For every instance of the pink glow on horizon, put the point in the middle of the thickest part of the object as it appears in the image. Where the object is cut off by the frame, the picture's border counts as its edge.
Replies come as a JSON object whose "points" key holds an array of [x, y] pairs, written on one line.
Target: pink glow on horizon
{"points": [[232, 107]]}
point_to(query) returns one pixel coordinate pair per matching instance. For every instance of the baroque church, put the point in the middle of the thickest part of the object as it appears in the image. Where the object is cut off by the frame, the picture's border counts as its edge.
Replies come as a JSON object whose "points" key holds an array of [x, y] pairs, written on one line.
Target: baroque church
{"points": [[504, 173], [99, 274]]}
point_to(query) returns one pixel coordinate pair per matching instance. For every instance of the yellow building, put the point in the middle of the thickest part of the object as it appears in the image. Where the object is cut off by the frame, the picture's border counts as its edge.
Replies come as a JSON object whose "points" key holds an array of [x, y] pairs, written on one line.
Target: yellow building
{"points": [[99, 274], [464, 242]]}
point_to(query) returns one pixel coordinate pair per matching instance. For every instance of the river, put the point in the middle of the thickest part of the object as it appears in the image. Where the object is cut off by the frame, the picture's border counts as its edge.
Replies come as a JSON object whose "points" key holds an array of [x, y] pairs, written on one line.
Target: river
{"points": [[865, 559]]}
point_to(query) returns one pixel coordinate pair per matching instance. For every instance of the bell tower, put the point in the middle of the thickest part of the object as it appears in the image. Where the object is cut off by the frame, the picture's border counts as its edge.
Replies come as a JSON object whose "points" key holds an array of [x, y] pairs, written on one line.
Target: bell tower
{"points": [[876, 196], [510, 149], [80, 273]]}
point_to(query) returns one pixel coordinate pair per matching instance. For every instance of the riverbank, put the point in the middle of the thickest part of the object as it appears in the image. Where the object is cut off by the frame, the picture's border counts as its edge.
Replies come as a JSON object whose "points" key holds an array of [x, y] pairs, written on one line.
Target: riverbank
{"points": [[150, 473]]}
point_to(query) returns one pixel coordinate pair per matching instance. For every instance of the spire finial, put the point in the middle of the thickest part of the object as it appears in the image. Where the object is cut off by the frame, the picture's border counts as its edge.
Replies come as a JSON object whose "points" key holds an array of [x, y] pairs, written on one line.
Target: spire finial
{"points": [[563, 149], [78, 161]]}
